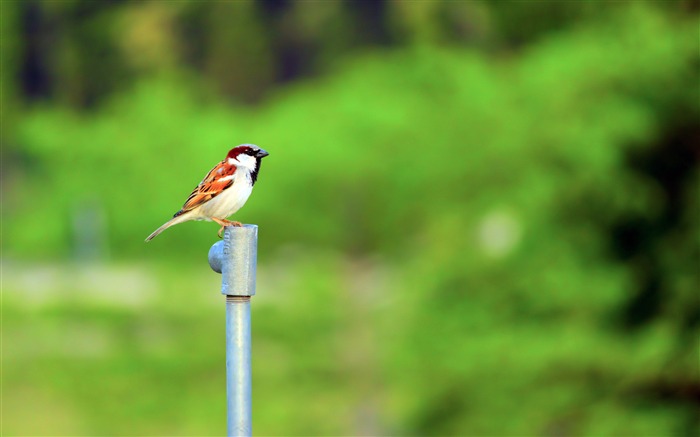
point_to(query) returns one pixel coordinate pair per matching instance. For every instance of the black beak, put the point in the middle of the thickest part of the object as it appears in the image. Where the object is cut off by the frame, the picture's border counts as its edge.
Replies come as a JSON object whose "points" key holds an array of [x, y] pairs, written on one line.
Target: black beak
{"points": [[261, 153]]}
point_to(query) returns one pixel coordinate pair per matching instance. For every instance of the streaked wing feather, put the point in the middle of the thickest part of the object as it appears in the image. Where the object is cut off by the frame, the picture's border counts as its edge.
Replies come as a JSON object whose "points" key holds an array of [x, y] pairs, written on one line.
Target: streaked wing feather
{"points": [[211, 186]]}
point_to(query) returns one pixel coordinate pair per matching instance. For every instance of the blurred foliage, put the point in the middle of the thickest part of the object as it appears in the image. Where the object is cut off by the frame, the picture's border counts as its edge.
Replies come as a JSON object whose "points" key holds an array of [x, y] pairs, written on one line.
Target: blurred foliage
{"points": [[477, 218]]}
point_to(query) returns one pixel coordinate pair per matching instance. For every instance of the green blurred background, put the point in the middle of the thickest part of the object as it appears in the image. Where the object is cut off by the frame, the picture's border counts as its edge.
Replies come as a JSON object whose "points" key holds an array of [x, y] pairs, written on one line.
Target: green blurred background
{"points": [[477, 217]]}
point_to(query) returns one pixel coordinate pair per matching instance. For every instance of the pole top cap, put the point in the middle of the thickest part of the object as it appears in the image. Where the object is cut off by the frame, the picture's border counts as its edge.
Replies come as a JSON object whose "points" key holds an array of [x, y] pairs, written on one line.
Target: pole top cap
{"points": [[236, 259]]}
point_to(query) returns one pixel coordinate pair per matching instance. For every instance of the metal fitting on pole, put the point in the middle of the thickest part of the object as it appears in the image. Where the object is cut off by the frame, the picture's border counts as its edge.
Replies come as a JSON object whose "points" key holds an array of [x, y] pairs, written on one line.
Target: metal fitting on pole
{"points": [[236, 259]]}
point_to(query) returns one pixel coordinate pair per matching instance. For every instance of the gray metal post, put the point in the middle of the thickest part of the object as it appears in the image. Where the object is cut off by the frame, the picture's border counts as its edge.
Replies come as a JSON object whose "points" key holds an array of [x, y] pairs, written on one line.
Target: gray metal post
{"points": [[236, 259]]}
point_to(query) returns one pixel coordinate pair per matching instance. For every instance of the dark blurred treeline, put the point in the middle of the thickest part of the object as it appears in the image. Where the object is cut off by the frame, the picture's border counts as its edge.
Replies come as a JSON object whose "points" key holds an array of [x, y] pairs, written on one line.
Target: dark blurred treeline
{"points": [[77, 53]]}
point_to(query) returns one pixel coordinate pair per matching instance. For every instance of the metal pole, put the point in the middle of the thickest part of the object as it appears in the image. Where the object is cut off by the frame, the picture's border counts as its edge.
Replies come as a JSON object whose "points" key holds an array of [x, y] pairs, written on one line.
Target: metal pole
{"points": [[238, 373], [236, 259]]}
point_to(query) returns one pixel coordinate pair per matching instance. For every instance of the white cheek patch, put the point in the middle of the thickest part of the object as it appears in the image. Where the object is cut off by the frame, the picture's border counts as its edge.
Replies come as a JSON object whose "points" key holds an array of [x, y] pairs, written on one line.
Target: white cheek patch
{"points": [[246, 161], [243, 161]]}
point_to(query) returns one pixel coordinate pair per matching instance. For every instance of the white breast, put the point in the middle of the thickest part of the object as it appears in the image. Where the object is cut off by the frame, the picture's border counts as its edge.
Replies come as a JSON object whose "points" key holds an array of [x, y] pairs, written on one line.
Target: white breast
{"points": [[230, 201]]}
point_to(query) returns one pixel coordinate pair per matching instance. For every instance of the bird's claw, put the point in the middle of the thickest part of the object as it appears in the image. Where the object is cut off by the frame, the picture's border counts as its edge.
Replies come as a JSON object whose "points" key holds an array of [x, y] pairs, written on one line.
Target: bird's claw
{"points": [[225, 223]]}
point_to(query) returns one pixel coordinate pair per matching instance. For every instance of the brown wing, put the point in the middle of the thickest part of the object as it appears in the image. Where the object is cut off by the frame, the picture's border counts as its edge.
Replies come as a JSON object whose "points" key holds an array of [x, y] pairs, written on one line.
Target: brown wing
{"points": [[214, 183]]}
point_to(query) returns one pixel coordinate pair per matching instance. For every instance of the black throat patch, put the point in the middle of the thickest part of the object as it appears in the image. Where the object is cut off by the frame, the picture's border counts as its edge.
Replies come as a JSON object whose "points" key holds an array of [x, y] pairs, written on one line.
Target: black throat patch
{"points": [[254, 173]]}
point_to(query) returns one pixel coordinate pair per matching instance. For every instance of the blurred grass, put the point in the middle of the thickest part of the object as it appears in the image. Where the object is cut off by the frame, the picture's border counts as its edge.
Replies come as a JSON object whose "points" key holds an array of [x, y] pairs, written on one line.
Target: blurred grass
{"points": [[339, 349], [147, 359]]}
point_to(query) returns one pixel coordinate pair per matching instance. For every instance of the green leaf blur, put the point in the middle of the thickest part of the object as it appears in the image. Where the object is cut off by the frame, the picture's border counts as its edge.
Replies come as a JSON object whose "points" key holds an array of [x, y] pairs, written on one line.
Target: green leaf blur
{"points": [[477, 218]]}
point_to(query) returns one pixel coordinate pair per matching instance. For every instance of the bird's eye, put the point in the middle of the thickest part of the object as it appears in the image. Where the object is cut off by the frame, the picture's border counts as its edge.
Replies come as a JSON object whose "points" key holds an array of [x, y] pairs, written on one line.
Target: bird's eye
{"points": [[250, 152]]}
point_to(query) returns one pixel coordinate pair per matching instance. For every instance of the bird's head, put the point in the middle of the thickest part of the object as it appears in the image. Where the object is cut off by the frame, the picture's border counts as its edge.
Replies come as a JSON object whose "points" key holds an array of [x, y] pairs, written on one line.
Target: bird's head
{"points": [[247, 156]]}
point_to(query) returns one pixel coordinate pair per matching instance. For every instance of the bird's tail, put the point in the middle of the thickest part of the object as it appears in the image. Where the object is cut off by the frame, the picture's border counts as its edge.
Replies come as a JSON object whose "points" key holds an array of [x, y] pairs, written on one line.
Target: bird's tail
{"points": [[166, 225]]}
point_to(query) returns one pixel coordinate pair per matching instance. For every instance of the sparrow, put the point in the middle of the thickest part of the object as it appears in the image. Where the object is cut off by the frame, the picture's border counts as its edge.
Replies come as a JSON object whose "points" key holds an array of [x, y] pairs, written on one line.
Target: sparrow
{"points": [[223, 191]]}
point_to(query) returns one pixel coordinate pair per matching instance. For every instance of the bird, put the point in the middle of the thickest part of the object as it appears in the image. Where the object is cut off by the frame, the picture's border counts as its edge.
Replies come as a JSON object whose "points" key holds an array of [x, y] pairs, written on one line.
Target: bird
{"points": [[223, 191]]}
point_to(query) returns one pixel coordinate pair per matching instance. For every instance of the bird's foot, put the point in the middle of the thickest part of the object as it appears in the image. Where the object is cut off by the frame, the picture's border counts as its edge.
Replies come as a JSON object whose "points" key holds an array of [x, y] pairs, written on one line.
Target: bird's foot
{"points": [[224, 223]]}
